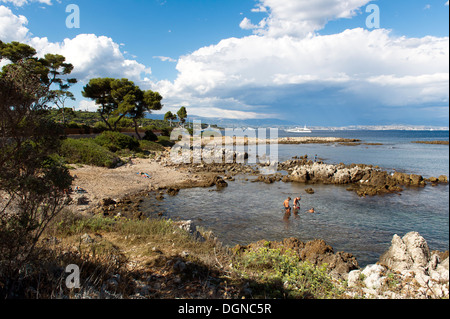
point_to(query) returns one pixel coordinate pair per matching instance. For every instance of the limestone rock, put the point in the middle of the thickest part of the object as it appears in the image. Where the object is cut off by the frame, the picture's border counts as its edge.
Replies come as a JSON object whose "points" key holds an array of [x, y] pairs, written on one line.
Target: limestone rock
{"points": [[405, 253], [373, 276], [191, 229]]}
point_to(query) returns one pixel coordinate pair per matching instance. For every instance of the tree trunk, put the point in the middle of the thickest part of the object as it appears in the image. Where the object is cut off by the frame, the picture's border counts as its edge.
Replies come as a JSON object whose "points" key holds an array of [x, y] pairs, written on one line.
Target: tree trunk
{"points": [[136, 129]]}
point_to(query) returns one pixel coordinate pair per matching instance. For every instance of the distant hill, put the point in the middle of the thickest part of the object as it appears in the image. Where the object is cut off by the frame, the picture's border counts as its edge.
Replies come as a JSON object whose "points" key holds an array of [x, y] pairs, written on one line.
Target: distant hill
{"points": [[277, 123]]}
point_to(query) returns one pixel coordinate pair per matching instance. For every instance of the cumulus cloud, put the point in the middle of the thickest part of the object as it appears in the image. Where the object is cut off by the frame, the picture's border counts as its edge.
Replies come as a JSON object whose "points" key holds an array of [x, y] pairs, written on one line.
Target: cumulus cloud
{"points": [[301, 17], [355, 73], [285, 69], [12, 27], [353, 69], [21, 3], [91, 55], [87, 105], [164, 58]]}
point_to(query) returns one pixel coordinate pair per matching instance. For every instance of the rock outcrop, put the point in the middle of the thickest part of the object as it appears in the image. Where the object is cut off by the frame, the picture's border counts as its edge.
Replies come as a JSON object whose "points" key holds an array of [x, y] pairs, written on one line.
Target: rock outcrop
{"points": [[189, 227], [365, 180], [406, 270]]}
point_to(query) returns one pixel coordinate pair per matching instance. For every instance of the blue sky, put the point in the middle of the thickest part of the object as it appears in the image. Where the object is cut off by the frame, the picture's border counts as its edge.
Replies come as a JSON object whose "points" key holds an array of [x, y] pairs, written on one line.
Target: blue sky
{"points": [[311, 62]]}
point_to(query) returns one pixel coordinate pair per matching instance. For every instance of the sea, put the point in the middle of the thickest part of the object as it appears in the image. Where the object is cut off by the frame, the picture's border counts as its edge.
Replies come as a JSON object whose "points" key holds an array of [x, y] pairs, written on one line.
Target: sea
{"points": [[247, 212]]}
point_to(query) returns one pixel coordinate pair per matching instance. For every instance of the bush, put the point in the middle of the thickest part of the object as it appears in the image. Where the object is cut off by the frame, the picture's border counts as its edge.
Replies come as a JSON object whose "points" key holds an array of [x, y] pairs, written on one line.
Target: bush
{"points": [[165, 141], [151, 146], [86, 151], [115, 141], [150, 136], [285, 274], [100, 127], [166, 131], [73, 125]]}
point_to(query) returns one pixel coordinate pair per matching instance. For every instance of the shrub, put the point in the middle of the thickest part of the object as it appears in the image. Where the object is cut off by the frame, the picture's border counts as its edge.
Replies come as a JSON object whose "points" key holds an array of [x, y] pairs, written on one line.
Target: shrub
{"points": [[86, 151], [165, 141], [73, 125], [166, 131], [150, 136], [115, 141], [151, 146], [280, 271], [100, 127]]}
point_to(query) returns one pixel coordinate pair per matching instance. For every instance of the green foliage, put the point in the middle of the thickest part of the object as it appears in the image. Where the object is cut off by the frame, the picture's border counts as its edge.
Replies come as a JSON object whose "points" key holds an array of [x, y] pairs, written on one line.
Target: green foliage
{"points": [[150, 146], [165, 141], [86, 151], [73, 124], [100, 127], [150, 136], [33, 182], [182, 114], [16, 51], [115, 141], [120, 98], [282, 274]]}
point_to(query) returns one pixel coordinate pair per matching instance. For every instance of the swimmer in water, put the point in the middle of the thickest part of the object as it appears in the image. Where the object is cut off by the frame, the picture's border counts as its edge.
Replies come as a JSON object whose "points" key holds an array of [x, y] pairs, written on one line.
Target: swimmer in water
{"points": [[311, 211], [287, 205]]}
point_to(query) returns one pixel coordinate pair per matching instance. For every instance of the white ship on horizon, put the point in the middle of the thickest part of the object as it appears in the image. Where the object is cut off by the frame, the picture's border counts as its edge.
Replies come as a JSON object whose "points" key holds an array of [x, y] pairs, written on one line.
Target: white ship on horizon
{"points": [[299, 130]]}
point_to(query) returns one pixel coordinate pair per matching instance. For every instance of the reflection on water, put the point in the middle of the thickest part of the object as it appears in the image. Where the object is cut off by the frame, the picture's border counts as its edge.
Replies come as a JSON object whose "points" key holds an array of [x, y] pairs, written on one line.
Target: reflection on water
{"points": [[246, 212]]}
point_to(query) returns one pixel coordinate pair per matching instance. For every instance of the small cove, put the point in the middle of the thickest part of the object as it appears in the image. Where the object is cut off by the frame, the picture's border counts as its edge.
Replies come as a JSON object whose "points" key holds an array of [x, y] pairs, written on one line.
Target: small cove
{"points": [[246, 212]]}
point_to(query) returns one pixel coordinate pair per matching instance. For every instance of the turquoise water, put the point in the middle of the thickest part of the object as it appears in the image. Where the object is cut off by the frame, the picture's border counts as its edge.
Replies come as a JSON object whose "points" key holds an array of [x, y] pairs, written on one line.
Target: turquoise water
{"points": [[246, 212]]}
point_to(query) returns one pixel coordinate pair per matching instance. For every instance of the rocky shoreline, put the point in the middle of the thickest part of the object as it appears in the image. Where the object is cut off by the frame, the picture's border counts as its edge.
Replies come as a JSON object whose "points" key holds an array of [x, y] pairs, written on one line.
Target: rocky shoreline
{"points": [[365, 180], [239, 140], [407, 270]]}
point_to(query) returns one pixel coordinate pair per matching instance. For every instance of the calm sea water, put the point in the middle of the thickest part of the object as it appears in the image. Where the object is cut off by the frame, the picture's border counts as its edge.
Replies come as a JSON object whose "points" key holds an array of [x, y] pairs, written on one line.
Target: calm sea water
{"points": [[246, 212]]}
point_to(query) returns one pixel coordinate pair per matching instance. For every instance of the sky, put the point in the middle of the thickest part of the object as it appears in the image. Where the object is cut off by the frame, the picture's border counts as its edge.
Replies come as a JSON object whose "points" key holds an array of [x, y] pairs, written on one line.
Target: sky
{"points": [[319, 63]]}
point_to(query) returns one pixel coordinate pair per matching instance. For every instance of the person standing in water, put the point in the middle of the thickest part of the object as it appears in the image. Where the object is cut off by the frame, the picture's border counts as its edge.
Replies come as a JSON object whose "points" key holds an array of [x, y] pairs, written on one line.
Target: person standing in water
{"points": [[297, 203], [287, 205]]}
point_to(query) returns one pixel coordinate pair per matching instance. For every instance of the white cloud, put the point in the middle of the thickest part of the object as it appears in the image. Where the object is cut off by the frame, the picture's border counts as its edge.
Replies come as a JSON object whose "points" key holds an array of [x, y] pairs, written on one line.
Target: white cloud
{"points": [[302, 17], [21, 3], [253, 74], [87, 105], [246, 24], [165, 59], [12, 27], [91, 55], [259, 8], [286, 63]]}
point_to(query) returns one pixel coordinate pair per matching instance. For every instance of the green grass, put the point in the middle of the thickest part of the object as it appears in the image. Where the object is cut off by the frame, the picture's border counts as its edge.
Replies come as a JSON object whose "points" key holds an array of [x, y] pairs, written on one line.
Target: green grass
{"points": [[151, 146], [115, 141], [86, 151]]}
